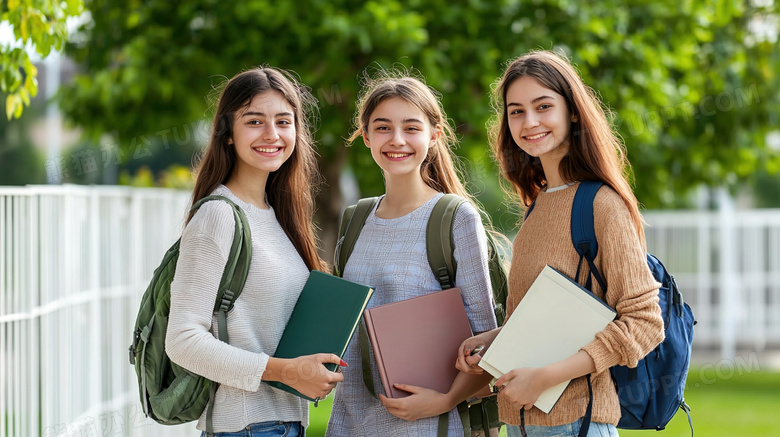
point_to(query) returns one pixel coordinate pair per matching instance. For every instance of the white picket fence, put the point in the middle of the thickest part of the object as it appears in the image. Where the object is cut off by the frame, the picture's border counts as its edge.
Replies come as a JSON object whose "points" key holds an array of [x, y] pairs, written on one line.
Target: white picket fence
{"points": [[727, 264], [74, 264], [74, 261]]}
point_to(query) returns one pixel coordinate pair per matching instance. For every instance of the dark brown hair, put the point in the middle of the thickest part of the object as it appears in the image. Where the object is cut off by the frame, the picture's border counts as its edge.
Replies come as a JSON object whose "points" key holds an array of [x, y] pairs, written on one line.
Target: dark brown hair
{"points": [[595, 151], [290, 190]]}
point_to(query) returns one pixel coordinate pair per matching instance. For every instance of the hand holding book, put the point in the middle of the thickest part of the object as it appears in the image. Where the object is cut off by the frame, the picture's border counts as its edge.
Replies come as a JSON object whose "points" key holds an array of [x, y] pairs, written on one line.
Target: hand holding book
{"points": [[308, 354], [423, 402], [523, 386], [307, 374], [468, 360], [397, 328], [543, 337]]}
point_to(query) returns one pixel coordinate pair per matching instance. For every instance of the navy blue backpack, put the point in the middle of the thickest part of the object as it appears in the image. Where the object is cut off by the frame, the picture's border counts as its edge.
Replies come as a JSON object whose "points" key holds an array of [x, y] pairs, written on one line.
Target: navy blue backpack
{"points": [[652, 392]]}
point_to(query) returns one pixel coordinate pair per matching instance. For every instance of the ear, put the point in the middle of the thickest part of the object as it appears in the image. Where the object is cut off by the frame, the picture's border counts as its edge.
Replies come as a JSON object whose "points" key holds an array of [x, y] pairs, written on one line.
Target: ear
{"points": [[574, 118], [366, 141], [435, 134]]}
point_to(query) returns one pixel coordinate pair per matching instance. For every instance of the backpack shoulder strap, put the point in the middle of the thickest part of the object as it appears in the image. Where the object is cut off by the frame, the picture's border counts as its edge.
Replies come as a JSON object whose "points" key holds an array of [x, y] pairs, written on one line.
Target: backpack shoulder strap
{"points": [[352, 222], [528, 210], [231, 285], [583, 237], [438, 240], [498, 278], [234, 276], [440, 247], [583, 232]]}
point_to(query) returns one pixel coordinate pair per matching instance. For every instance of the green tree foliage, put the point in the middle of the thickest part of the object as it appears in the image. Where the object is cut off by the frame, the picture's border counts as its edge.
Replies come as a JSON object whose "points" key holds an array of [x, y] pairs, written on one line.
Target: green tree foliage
{"points": [[766, 190], [40, 24], [20, 162], [693, 91]]}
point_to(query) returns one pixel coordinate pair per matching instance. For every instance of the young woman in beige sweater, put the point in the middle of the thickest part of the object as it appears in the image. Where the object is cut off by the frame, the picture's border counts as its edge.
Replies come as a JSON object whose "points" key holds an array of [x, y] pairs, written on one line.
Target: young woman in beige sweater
{"points": [[552, 132]]}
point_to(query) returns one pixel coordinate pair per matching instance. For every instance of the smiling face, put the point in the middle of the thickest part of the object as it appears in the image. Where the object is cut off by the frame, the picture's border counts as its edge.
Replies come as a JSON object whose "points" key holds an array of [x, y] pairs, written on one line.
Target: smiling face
{"points": [[263, 134], [399, 135], [539, 119]]}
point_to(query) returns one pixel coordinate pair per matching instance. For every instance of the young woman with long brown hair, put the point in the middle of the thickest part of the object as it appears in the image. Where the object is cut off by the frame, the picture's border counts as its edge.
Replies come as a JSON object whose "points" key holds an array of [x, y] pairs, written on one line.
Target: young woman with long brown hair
{"points": [[261, 157], [552, 133]]}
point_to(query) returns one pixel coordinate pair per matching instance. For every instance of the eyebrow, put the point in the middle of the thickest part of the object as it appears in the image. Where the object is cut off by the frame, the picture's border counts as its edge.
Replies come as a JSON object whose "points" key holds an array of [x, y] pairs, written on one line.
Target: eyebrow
{"points": [[405, 120], [532, 101], [261, 114]]}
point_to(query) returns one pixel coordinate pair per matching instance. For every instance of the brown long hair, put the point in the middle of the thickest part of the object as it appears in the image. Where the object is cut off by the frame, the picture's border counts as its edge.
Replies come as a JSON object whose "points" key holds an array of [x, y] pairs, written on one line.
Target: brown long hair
{"points": [[595, 151], [290, 190], [438, 169]]}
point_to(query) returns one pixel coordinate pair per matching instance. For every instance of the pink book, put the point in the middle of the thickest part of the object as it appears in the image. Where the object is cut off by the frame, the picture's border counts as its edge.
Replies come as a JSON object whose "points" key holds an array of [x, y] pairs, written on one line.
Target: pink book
{"points": [[416, 341]]}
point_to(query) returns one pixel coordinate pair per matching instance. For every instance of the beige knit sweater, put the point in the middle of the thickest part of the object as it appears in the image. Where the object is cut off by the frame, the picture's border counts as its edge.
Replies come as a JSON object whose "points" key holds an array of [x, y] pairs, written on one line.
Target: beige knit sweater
{"points": [[545, 238]]}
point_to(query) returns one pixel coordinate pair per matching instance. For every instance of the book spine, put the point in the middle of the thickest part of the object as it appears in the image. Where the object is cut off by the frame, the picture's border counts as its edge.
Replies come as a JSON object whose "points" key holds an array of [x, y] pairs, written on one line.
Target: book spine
{"points": [[357, 310], [377, 353]]}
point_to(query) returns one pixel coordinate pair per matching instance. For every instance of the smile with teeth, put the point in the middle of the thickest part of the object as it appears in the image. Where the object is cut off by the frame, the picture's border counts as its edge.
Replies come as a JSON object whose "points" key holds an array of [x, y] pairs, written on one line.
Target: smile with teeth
{"points": [[397, 155], [536, 136], [267, 149]]}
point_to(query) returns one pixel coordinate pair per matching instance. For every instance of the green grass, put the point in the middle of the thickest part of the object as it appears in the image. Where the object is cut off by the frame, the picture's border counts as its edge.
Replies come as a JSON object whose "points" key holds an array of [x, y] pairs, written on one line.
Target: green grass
{"points": [[743, 403], [727, 403], [318, 417]]}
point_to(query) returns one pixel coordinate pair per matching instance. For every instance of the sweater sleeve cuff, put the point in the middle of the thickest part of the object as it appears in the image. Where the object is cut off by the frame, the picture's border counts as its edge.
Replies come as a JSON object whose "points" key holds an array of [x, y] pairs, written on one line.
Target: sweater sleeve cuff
{"points": [[602, 357], [254, 383]]}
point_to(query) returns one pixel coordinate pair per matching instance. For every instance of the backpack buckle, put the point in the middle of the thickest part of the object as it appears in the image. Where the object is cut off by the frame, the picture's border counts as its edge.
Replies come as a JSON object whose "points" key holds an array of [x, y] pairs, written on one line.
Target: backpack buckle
{"points": [[134, 347], [145, 333], [444, 278], [584, 247], [227, 296]]}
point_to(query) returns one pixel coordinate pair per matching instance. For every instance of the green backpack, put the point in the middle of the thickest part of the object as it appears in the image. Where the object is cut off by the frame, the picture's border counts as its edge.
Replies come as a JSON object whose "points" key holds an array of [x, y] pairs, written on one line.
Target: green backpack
{"points": [[483, 413], [169, 393]]}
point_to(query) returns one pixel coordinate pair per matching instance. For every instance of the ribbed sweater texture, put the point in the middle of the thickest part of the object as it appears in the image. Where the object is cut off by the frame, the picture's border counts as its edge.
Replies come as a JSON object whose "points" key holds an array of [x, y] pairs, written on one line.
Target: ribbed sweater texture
{"points": [[276, 277], [545, 239]]}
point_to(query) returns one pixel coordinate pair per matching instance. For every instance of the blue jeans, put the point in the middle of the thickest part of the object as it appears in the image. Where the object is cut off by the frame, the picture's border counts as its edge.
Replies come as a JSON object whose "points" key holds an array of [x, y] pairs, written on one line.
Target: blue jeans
{"points": [[569, 430], [266, 429]]}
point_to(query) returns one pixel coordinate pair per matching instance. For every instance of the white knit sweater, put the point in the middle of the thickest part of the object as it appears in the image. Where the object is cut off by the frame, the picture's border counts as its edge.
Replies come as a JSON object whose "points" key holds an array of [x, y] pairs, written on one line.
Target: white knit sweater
{"points": [[255, 324]]}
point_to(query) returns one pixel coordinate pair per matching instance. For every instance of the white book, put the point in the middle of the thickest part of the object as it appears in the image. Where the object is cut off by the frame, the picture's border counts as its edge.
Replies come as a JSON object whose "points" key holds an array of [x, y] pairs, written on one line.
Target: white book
{"points": [[555, 319]]}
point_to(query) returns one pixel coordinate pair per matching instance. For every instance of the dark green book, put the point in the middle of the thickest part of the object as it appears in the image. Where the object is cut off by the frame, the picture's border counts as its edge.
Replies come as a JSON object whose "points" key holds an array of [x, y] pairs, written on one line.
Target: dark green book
{"points": [[324, 318]]}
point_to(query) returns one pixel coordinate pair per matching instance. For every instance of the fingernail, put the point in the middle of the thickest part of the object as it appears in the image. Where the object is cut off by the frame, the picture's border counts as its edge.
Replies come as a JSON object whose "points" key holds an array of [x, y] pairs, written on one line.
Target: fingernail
{"points": [[343, 363]]}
